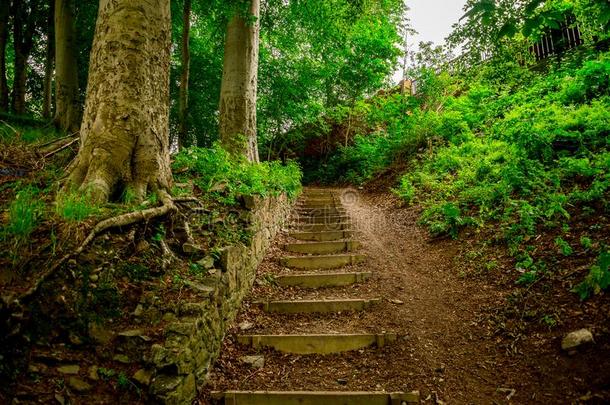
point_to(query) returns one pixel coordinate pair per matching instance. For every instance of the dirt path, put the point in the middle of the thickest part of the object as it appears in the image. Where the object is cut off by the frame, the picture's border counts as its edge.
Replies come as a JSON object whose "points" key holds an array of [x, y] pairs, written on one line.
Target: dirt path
{"points": [[447, 349]]}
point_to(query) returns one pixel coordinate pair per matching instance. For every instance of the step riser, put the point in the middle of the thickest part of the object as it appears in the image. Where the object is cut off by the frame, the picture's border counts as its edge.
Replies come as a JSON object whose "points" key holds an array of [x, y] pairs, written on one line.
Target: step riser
{"points": [[316, 344], [314, 398], [321, 212], [321, 262], [328, 280], [310, 307], [329, 219], [323, 227], [322, 248], [321, 236]]}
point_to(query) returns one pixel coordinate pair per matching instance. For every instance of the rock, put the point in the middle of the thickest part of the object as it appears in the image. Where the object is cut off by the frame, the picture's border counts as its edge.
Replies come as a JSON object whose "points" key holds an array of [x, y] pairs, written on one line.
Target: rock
{"points": [[142, 246], [78, 385], [138, 311], [69, 369], [576, 339], [100, 334], [254, 361], [191, 248], [121, 358], [246, 325], [200, 288], [143, 376], [207, 262], [75, 339], [93, 375], [396, 301], [341, 381]]}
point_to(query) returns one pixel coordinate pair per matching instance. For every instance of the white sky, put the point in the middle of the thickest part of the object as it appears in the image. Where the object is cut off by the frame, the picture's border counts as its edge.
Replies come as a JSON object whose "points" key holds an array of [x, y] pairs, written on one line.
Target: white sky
{"points": [[432, 19]]}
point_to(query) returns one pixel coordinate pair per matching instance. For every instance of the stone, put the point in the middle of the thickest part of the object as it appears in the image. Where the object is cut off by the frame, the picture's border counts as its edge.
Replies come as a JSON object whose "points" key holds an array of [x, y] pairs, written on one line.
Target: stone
{"points": [[341, 381], [143, 377], [100, 334], [69, 369], [207, 262], [396, 301], [121, 358], [93, 374], [254, 361], [166, 383], [75, 339], [138, 311], [142, 246], [246, 325], [577, 338], [192, 248], [200, 288], [78, 385]]}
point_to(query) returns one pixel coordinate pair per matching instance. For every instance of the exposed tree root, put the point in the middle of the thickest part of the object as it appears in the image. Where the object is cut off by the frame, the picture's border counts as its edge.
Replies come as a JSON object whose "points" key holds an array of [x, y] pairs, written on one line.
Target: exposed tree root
{"points": [[114, 222]]}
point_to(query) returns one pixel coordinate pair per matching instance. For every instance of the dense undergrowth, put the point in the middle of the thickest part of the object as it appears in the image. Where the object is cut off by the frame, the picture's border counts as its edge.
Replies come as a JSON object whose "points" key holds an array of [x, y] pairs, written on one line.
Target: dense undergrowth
{"points": [[505, 147]]}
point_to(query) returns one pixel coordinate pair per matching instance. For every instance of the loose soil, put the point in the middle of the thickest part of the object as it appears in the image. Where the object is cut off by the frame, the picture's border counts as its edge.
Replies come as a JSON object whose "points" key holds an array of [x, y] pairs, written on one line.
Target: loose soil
{"points": [[457, 344]]}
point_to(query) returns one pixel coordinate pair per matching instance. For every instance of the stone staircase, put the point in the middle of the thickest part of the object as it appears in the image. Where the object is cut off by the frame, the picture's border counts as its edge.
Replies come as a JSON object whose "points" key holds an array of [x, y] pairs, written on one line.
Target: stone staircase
{"points": [[321, 258]]}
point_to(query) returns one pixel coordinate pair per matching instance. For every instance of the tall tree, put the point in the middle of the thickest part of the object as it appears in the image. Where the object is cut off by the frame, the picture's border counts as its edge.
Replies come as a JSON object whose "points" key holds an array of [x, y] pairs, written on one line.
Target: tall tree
{"points": [[239, 84], [184, 78], [67, 105], [125, 129], [25, 20], [48, 65], [4, 26]]}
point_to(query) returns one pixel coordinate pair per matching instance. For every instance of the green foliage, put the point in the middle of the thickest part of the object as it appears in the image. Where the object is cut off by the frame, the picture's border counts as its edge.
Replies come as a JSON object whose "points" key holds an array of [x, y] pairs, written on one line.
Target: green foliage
{"points": [[75, 205], [225, 178], [598, 278], [24, 214], [564, 247]]}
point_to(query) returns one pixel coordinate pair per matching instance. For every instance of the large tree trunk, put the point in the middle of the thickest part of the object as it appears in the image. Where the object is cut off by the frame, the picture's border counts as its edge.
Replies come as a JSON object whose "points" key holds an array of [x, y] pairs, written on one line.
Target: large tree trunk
{"points": [[47, 102], [67, 105], [125, 130], [239, 86], [4, 14], [184, 78], [24, 27]]}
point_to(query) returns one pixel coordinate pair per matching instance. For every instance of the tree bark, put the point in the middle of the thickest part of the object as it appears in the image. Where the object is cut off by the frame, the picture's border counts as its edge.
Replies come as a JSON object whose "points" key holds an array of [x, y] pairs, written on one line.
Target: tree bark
{"points": [[125, 129], [67, 105], [239, 85], [24, 28], [47, 102], [184, 79], [4, 14]]}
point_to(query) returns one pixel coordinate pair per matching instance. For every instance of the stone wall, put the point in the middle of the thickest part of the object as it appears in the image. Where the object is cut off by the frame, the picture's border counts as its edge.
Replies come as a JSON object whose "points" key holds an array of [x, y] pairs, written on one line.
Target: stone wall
{"points": [[194, 330]]}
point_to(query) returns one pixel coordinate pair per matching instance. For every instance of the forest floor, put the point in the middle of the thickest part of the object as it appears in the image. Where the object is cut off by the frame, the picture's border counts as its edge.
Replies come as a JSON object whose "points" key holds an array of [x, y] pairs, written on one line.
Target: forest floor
{"points": [[464, 336]]}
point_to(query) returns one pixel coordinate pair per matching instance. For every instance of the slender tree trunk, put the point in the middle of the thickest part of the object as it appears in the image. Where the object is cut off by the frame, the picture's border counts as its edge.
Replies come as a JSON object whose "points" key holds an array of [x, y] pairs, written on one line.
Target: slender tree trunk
{"points": [[239, 86], [67, 105], [184, 78], [4, 14], [125, 130], [24, 27], [47, 102]]}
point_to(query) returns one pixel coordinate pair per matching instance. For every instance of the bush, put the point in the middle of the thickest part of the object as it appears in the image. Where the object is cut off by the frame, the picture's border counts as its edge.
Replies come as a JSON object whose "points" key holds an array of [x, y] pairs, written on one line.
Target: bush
{"points": [[225, 178]]}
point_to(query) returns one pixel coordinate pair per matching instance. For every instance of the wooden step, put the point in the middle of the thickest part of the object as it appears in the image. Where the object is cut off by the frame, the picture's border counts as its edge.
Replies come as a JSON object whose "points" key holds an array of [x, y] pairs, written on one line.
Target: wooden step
{"points": [[340, 226], [322, 236], [321, 262], [317, 344], [318, 204], [320, 211], [317, 306], [314, 398], [322, 248], [321, 219], [322, 280]]}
